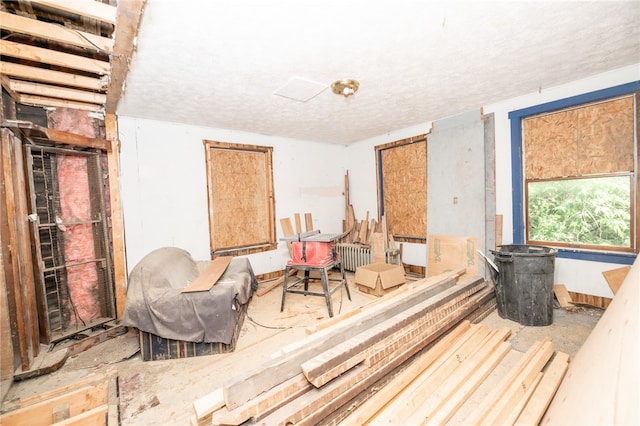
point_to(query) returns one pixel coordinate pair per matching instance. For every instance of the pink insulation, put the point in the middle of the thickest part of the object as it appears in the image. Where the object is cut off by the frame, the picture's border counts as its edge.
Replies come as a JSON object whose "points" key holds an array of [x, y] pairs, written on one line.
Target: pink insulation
{"points": [[82, 280], [75, 205]]}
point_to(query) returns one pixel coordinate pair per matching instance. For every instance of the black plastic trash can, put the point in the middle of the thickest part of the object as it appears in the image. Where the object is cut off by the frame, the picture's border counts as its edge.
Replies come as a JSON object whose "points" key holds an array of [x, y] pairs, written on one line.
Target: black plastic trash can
{"points": [[524, 284]]}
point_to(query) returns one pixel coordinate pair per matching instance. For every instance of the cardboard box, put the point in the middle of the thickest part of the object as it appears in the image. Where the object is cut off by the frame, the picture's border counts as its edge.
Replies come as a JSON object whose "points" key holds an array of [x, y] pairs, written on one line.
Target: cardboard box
{"points": [[448, 253], [379, 278]]}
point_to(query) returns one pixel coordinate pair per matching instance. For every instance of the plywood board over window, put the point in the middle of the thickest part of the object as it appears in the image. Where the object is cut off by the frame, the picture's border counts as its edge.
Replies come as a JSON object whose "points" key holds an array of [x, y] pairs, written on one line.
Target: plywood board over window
{"points": [[581, 150], [402, 187], [588, 140], [241, 201]]}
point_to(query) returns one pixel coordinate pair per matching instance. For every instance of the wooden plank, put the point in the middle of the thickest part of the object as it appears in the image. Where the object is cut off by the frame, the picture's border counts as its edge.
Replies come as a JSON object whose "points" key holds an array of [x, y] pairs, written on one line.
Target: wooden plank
{"points": [[129, 16], [80, 400], [377, 242], [91, 380], [607, 393], [51, 57], [17, 297], [518, 388], [318, 403], [615, 277], [434, 376], [499, 221], [264, 403], [420, 402], [47, 90], [590, 300], [95, 339], [210, 275], [50, 76], [117, 219], [54, 32], [6, 344], [456, 399], [308, 222], [380, 399], [94, 417], [502, 388], [379, 351], [335, 361], [517, 409], [269, 286], [296, 217], [563, 296], [208, 403], [540, 400], [50, 362], [249, 384], [287, 230], [91, 9]]}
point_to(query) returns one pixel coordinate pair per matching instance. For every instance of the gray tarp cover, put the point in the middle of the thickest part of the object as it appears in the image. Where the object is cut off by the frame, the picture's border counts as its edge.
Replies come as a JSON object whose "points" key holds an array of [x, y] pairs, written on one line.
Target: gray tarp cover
{"points": [[155, 304]]}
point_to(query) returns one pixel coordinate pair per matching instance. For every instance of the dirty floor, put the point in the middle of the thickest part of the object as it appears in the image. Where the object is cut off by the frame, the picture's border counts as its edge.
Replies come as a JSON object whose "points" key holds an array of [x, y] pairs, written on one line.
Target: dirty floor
{"points": [[163, 392]]}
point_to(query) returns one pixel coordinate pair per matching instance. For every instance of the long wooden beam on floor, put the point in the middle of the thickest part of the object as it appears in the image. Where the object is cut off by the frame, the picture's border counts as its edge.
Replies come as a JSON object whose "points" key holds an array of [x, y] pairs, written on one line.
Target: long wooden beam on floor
{"points": [[249, 384], [381, 398], [318, 403], [536, 406], [335, 361]]}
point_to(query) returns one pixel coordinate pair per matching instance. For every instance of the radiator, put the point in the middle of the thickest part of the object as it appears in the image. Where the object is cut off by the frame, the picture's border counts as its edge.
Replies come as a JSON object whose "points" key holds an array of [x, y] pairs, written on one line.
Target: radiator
{"points": [[354, 255]]}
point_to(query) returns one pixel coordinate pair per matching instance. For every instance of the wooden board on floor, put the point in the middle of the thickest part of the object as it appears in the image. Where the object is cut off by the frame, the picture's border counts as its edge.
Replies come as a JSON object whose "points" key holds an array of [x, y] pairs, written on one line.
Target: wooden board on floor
{"points": [[589, 300], [615, 277], [209, 276], [75, 402], [563, 296], [247, 385]]}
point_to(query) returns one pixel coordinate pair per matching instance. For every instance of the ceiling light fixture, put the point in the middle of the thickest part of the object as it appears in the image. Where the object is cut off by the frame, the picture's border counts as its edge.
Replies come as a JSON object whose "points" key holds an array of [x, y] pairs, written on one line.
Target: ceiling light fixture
{"points": [[345, 88]]}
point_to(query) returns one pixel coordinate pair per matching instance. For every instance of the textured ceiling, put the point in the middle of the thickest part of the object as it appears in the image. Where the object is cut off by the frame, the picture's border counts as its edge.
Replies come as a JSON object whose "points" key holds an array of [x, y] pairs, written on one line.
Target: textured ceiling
{"points": [[218, 63]]}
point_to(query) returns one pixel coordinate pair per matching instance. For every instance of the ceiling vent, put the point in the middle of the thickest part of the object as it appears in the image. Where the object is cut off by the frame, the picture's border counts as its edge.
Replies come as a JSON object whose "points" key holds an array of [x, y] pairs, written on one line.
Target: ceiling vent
{"points": [[300, 89]]}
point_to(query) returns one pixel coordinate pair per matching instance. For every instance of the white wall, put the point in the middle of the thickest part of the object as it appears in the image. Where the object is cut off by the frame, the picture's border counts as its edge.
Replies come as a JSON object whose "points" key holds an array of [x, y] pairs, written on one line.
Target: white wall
{"points": [[164, 190], [163, 182]]}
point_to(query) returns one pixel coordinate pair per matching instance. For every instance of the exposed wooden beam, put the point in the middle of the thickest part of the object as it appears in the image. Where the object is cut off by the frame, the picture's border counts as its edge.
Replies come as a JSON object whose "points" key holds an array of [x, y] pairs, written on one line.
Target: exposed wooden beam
{"points": [[45, 30], [89, 8], [49, 76], [64, 93], [129, 16], [117, 221], [54, 102], [47, 56], [31, 130]]}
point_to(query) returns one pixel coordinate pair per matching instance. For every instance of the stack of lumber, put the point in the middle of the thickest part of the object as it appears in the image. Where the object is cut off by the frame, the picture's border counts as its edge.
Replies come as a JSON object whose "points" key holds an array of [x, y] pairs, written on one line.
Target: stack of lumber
{"points": [[437, 384], [370, 233], [322, 375]]}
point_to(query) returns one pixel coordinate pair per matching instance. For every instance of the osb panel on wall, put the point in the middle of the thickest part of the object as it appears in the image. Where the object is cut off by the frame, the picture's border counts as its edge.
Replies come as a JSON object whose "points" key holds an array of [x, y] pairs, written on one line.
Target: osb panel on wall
{"points": [[239, 201], [597, 138], [404, 177]]}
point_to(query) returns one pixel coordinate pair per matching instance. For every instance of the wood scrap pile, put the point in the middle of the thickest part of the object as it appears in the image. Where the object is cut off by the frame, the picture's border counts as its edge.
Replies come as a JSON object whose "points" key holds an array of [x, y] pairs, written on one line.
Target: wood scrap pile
{"points": [[321, 376], [369, 233], [82, 403]]}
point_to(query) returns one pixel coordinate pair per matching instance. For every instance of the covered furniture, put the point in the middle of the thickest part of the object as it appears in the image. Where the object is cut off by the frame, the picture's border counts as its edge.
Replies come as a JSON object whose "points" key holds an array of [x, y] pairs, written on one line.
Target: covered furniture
{"points": [[174, 324]]}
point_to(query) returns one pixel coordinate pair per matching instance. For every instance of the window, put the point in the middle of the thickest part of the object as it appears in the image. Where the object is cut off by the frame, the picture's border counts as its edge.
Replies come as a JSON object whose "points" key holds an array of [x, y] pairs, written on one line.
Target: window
{"points": [[575, 175], [241, 201], [402, 187]]}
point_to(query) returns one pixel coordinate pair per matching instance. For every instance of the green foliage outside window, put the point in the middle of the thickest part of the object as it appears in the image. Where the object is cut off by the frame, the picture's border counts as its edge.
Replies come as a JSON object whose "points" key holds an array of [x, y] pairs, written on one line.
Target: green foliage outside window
{"points": [[592, 211]]}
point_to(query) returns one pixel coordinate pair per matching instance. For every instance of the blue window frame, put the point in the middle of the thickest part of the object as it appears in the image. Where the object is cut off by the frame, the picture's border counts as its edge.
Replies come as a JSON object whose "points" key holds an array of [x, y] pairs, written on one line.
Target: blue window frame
{"points": [[518, 202]]}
